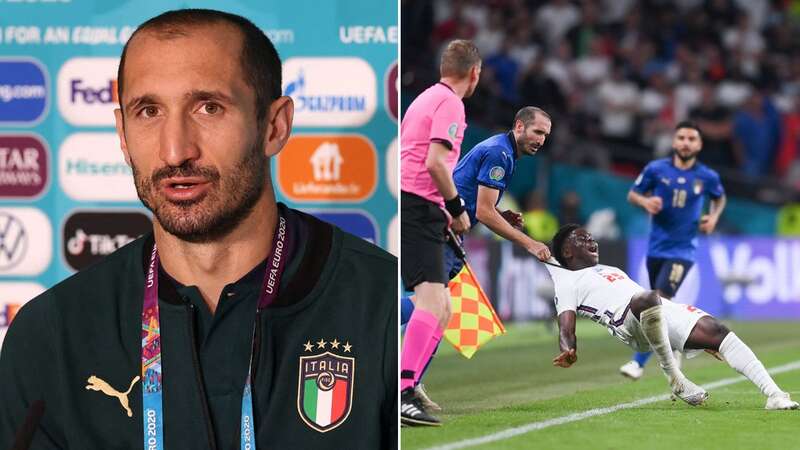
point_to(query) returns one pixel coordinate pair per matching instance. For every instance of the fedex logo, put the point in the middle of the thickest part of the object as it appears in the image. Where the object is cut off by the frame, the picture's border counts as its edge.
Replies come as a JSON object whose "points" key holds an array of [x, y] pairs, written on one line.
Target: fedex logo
{"points": [[81, 91], [12, 297], [87, 91]]}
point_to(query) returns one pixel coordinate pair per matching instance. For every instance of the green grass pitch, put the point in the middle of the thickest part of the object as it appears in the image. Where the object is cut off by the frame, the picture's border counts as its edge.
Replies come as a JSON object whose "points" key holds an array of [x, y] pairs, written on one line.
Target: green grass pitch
{"points": [[511, 382]]}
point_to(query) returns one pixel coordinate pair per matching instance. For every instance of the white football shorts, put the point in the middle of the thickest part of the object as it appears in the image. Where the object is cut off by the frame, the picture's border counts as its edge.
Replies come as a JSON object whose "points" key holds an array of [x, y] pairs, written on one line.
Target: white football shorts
{"points": [[681, 320]]}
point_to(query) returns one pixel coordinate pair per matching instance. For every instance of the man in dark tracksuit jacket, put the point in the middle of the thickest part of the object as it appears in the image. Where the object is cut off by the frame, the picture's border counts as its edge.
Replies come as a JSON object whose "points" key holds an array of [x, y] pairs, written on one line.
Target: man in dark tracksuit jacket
{"points": [[89, 325], [150, 348]]}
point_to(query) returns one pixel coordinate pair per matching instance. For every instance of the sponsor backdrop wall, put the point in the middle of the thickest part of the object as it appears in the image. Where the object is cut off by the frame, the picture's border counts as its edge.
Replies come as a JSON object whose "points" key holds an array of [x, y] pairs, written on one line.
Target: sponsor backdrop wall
{"points": [[66, 194], [739, 278]]}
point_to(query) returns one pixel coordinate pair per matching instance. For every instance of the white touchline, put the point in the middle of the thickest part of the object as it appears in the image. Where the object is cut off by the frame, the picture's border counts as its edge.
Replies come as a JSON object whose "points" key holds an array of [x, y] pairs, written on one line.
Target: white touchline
{"points": [[522, 429]]}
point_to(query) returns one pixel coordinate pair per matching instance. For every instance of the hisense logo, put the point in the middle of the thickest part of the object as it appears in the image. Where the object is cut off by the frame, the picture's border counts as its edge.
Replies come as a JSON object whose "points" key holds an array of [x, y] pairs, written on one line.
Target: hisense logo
{"points": [[91, 167], [83, 166]]}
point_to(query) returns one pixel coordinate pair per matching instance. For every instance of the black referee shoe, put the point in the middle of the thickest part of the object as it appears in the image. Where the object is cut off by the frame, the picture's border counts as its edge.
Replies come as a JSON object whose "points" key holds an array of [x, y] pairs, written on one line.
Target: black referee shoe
{"points": [[412, 413]]}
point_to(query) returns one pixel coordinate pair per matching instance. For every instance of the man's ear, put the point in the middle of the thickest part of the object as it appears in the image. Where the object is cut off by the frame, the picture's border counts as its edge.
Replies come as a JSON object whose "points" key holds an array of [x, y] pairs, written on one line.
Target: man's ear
{"points": [[123, 144], [279, 125], [566, 252]]}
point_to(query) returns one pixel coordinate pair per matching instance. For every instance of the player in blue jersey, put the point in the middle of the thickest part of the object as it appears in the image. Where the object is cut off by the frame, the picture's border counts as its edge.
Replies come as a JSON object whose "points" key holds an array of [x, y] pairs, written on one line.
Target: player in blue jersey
{"points": [[673, 190], [483, 175], [481, 178]]}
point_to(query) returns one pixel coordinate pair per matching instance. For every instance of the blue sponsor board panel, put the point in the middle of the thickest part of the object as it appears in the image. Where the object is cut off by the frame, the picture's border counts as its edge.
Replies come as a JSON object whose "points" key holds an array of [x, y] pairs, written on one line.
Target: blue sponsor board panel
{"points": [[356, 222], [23, 91], [736, 278]]}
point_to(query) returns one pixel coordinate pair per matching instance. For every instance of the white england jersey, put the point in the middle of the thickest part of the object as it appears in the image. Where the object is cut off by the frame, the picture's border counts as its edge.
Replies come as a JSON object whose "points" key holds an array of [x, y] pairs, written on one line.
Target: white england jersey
{"points": [[601, 293]]}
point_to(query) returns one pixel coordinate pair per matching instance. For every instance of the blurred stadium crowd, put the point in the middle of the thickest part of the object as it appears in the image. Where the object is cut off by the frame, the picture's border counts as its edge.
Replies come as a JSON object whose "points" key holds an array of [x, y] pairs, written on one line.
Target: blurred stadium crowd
{"points": [[617, 75]]}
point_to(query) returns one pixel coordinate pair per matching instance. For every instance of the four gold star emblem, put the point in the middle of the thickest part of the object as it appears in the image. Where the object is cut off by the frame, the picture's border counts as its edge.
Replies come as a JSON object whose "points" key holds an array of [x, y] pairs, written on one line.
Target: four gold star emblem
{"points": [[335, 343]]}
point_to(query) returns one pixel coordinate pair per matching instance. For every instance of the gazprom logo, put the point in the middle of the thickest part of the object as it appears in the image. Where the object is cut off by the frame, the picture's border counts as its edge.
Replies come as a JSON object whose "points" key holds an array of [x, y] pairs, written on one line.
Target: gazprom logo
{"points": [[87, 91], [24, 90], [330, 91]]}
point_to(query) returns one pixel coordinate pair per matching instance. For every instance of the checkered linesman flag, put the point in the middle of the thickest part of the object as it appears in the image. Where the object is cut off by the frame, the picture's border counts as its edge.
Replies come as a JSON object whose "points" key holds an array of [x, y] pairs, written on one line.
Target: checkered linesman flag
{"points": [[474, 322]]}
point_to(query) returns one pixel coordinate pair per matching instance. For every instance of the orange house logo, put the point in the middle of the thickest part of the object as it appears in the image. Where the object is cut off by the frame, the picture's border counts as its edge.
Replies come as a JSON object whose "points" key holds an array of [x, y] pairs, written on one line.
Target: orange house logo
{"points": [[328, 168]]}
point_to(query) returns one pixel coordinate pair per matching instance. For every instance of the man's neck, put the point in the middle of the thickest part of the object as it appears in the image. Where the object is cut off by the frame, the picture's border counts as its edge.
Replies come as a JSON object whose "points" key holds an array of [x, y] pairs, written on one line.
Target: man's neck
{"points": [[681, 164], [212, 265], [459, 87], [515, 142]]}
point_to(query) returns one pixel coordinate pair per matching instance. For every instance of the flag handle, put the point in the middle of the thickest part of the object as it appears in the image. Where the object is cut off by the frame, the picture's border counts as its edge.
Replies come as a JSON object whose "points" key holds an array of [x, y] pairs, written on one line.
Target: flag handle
{"points": [[455, 245]]}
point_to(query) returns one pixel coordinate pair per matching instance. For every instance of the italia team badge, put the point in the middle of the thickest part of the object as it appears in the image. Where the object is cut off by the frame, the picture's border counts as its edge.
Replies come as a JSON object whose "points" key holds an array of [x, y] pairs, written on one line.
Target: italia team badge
{"points": [[698, 186], [325, 384]]}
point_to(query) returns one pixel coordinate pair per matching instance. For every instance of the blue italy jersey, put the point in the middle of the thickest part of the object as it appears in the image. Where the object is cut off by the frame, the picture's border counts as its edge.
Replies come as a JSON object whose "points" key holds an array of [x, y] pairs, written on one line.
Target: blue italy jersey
{"points": [[490, 163], [675, 227]]}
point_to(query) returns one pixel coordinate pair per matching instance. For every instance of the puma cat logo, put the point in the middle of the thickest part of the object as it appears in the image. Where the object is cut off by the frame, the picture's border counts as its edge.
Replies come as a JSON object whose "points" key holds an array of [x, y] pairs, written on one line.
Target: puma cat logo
{"points": [[96, 384]]}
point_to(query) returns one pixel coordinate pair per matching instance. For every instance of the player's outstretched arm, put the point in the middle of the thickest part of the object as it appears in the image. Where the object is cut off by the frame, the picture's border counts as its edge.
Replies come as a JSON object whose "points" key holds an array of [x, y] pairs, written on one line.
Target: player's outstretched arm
{"points": [[567, 341], [652, 204], [487, 214]]}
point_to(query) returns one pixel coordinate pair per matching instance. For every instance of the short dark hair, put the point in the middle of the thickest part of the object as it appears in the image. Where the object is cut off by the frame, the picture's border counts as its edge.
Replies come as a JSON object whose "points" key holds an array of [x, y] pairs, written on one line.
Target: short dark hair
{"points": [[261, 65], [458, 58], [689, 124], [559, 239], [528, 114]]}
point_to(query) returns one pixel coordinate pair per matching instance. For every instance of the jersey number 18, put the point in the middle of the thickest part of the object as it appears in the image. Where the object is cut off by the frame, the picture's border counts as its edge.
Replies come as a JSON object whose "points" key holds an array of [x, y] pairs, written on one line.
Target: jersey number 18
{"points": [[678, 198]]}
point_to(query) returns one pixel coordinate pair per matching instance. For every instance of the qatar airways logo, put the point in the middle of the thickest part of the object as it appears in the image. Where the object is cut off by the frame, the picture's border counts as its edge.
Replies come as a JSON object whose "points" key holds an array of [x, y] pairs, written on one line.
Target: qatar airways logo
{"points": [[87, 91], [24, 166]]}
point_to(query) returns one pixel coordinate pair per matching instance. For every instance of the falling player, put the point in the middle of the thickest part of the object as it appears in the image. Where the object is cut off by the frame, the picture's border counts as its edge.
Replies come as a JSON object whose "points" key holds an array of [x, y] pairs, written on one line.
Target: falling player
{"points": [[643, 320], [672, 190]]}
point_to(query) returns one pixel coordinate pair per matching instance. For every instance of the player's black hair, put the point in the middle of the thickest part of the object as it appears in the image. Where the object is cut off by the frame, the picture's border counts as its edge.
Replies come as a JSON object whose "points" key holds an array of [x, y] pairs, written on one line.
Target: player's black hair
{"points": [[260, 63], [559, 239], [689, 124]]}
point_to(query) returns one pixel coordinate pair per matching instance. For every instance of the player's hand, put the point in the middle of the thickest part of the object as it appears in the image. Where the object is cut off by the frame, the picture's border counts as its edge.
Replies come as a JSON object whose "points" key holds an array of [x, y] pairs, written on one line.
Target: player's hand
{"points": [[565, 358], [539, 250], [653, 205], [707, 224], [513, 218], [460, 224]]}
